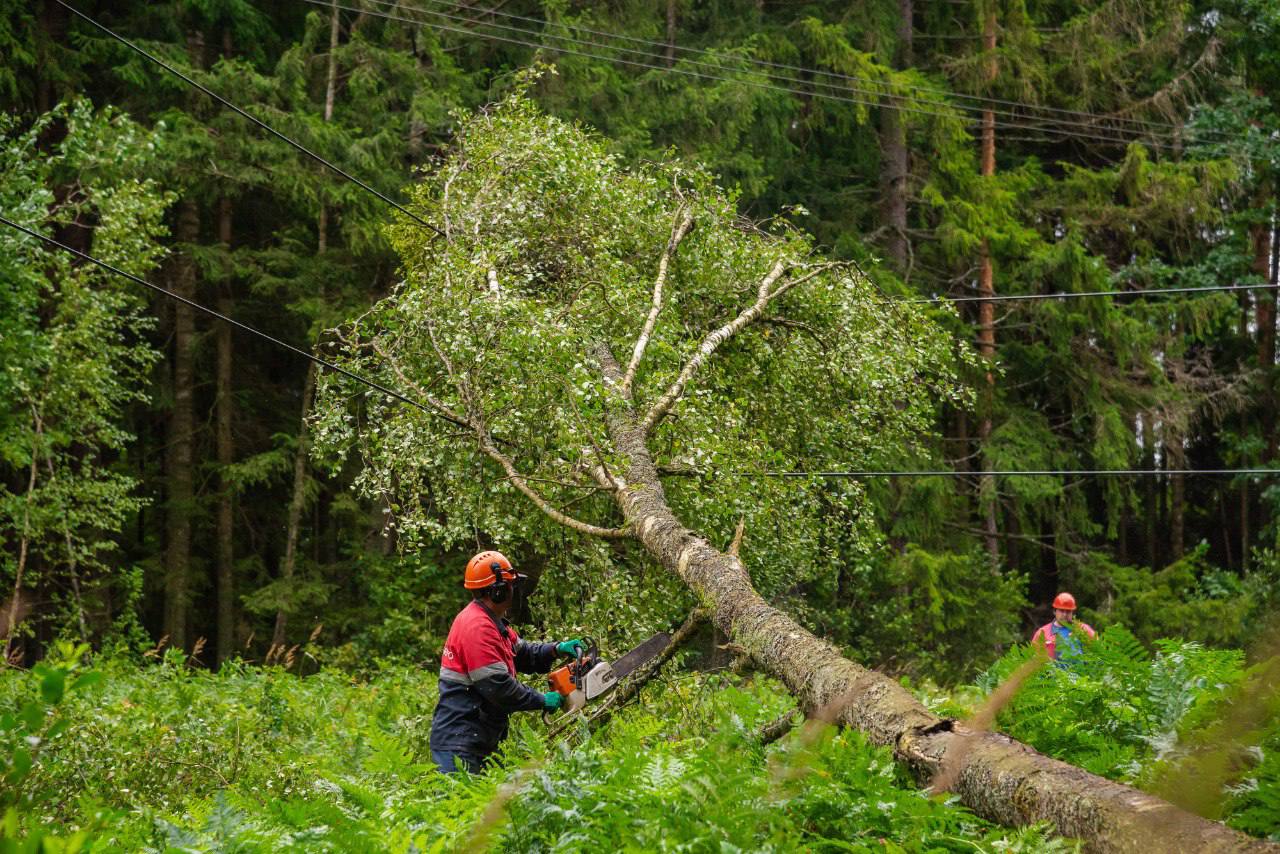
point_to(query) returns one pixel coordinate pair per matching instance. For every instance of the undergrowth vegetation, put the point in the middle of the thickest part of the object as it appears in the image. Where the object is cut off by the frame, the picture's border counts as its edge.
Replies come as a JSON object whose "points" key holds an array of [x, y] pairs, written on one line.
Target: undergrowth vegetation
{"points": [[1196, 725], [164, 757]]}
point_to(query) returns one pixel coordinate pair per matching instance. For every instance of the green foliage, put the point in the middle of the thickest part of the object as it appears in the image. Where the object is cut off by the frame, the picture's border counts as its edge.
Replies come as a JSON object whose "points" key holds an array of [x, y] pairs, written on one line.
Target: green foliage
{"points": [[929, 615], [33, 728], [258, 759], [1190, 598], [551, 249], [72, 342], [1121, 712]]}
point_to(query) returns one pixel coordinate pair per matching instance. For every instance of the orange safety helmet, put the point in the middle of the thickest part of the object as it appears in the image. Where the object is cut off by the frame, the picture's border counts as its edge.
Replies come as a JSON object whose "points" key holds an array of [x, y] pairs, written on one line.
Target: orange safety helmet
{"points": [[1064, 602], [487, 569]]}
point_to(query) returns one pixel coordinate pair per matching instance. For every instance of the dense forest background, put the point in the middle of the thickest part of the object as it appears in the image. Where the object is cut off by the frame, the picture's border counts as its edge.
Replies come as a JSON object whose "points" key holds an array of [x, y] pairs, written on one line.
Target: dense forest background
{"points": [[155, 475]]}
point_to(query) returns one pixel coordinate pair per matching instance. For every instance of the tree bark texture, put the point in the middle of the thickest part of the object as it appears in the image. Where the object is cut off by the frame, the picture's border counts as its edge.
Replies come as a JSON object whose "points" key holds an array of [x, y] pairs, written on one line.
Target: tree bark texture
{"points": [[296, 503], [330, 91], [179, 455], [1261, 237], [1176, 456], [225, 450], [24, 542], [671, 33], [894, 160], [998, 778], [986, 311]]}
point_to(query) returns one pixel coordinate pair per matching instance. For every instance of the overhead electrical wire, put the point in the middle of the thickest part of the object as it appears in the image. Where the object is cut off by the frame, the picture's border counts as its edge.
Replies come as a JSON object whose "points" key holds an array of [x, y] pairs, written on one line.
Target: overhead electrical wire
{"points": [[396, 395], [217, 315], [1106, 135], [1019, 123], [268, 128], [1091, 121], [1078, 294], [1018, 473], [920, 300], [475, 14]]}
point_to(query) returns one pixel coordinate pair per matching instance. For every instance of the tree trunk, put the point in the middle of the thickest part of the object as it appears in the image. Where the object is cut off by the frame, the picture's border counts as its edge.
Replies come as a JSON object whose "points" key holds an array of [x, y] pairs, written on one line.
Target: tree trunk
{"points": [[1150, 510], [998, 778], [1177, 514], [330, 91], [1261, 236], [671, 33], [24, 542], [296, 503], [1273, 439], [986, 312], [73, 564], [179, 455], [53, 20], [893, 152], [226, 456]]}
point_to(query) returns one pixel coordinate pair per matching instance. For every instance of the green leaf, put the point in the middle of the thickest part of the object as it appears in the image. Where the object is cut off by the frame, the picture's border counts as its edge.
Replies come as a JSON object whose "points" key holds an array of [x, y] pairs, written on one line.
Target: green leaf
{"points": [[53, 685], [86, 680]]}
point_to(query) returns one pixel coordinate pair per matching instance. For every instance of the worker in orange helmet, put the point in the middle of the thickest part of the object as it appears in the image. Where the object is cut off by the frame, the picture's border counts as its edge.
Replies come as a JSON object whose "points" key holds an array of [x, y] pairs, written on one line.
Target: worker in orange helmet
{"points": [[1059, 636], [481, 657]]}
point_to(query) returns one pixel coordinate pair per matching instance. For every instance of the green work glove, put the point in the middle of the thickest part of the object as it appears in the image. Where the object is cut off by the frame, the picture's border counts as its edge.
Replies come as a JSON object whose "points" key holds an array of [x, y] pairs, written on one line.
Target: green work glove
{"points": [[551, 701], [569, 647]]}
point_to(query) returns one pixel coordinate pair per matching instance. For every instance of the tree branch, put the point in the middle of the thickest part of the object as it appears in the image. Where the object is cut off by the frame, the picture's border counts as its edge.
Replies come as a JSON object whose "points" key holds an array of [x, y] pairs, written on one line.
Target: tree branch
{"points": [[678, 232], [443, 410], [712, 342], [522, 484]]}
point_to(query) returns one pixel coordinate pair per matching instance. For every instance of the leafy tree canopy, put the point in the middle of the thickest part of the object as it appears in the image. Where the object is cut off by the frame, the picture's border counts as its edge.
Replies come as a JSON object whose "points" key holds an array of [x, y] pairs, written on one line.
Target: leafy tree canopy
{"points": [[552, 249]]}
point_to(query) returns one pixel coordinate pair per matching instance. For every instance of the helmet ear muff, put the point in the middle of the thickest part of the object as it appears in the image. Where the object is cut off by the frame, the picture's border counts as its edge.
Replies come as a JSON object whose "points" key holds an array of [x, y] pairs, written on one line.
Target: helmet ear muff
{"points": [[501, 588]]}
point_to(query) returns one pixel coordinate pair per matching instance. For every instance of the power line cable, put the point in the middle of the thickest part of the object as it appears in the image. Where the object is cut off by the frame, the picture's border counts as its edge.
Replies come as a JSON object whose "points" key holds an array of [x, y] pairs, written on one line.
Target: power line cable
{"points": [[244, 327], [395, 395], [1027, 473], [298, 146], [1075, 295], [1035, 125], [476, 14], [1092, 119], [268, 128], [1101, 134]]}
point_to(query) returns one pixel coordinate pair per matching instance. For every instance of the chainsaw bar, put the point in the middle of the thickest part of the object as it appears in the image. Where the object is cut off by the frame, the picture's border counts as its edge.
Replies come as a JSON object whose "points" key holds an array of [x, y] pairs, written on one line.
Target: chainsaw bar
{"points": [[642, 654]]}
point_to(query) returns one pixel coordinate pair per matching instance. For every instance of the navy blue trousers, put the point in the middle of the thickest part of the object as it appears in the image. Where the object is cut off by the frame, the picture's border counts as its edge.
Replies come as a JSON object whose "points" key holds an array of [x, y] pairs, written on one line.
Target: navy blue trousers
{"points": [[449, 762]]}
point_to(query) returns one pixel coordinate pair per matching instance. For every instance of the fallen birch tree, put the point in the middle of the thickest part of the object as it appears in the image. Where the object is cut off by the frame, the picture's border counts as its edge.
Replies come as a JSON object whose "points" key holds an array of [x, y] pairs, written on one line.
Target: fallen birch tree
{"points": [[616, 353]]}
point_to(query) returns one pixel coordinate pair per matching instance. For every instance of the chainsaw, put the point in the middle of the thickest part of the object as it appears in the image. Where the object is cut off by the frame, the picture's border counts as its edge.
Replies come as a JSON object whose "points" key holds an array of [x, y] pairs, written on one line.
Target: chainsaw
{"points": [[589, 677]]}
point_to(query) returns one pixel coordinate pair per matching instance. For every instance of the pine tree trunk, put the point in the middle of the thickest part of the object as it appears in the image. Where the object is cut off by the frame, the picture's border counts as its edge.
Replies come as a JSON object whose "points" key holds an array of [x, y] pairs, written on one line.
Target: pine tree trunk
{"points": [[293, 522], [1149, 492], [330, 91], [53, 20], [226, 456], [894, 157], [998, 778], [296, 503], [1177, 514], [986, 313], [1261, 237], [179, 455], [671, 33]]}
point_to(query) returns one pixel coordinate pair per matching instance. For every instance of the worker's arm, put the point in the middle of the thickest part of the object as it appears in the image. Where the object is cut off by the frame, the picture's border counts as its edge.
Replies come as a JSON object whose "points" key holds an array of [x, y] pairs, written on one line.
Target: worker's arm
{"points": [[534, 657], [496, 684]]}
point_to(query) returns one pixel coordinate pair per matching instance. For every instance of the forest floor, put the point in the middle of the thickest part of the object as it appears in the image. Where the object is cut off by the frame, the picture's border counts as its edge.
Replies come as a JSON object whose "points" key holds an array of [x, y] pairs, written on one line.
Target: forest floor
{"points": [[163, 756]]}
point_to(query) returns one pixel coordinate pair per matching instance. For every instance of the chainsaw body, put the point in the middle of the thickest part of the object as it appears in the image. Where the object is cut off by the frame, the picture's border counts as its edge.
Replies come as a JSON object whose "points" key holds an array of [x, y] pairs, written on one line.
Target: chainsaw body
{"points": [[583, 679], [587, 677]]}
